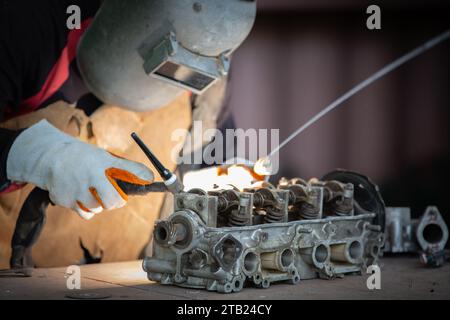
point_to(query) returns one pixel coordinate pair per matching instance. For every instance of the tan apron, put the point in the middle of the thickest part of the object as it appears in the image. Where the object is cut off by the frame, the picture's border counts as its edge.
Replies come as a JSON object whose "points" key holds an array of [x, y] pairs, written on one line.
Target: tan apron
{"points": [[120, 234]]}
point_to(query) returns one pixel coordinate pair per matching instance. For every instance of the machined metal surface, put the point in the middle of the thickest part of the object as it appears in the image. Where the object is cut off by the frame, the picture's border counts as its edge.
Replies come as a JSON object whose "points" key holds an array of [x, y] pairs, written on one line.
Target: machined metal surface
{"points": [[223, 239], [426, 235]]}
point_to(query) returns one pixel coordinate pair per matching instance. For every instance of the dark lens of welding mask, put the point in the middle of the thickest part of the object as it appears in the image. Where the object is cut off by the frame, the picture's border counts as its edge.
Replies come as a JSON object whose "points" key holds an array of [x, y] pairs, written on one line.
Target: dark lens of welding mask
{"points": [[169, 61], [184, 76]]}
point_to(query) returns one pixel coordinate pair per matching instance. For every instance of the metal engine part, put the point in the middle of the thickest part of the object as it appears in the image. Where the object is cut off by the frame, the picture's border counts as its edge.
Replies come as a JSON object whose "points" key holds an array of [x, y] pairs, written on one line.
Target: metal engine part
{"points": [[427, 235], [223, 239]]}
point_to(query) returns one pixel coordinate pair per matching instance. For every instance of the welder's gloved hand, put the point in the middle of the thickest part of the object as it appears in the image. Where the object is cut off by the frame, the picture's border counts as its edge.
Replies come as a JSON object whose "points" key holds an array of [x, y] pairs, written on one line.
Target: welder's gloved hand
{"points": [[77, 175]]}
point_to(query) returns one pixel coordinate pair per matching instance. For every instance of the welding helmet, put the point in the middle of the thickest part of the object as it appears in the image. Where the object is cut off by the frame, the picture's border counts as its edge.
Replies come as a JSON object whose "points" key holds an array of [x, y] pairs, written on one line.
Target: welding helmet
{"points": [[141, 54]]}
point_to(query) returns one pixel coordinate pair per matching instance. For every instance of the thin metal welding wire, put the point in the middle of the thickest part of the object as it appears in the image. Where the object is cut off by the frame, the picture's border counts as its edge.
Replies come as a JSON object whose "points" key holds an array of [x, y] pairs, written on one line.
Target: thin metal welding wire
{"points": [[382, 72]]}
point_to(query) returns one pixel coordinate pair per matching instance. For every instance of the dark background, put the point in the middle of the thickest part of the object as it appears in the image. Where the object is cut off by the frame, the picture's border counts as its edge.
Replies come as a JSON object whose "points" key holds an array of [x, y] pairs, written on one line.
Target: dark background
{"points": [[302, 55]]}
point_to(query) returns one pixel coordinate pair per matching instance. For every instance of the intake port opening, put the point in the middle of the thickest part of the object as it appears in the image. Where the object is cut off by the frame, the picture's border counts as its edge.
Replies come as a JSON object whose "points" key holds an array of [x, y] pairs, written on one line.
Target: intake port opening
{"points": [[250, 262], [355, 250], [229, 252], [321, 253], [287, 258], [432, 233]]}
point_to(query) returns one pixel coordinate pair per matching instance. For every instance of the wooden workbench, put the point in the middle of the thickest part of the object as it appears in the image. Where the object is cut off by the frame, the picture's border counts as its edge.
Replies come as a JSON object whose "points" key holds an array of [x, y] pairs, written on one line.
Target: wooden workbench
{"points": [[401, 278]]}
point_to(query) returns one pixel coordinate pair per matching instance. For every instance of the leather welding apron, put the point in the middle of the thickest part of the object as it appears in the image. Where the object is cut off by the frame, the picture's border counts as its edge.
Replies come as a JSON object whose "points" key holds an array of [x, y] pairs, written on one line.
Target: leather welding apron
{"points": [[117, 235]]}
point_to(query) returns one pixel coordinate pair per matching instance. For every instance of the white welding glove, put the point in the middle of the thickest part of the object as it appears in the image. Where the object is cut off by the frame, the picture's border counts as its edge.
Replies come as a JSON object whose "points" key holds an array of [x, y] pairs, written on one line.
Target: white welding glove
{"points": [[77, 175]]}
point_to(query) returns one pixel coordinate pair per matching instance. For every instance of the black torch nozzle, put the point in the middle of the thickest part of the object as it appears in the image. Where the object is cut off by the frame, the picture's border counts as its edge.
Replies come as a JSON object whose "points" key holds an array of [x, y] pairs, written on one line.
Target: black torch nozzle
{"points": [[163, 172]]}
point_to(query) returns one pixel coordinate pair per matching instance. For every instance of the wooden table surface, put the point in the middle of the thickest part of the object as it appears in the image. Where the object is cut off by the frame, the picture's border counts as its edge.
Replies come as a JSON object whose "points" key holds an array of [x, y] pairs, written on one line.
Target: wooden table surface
{"points": [[401, 278]]}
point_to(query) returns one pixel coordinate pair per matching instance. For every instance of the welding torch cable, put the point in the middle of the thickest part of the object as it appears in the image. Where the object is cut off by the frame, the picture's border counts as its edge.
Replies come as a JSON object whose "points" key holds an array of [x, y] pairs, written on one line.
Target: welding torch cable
{"points": [[377, 75]]}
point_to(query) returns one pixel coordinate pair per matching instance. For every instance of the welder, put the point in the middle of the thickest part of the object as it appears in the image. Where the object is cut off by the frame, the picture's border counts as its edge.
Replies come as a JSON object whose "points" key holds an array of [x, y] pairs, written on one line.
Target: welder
{"points": [[138, 55]]}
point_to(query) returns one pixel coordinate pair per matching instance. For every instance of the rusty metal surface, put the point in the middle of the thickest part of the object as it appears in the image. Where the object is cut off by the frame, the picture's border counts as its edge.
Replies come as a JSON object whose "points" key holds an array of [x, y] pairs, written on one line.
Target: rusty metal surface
{"points": [[401, 278]]}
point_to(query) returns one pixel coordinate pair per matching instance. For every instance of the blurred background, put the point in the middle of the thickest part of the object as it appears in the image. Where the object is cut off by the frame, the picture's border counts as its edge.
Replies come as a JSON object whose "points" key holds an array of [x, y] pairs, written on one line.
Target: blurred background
{"points": [[303, 54]]}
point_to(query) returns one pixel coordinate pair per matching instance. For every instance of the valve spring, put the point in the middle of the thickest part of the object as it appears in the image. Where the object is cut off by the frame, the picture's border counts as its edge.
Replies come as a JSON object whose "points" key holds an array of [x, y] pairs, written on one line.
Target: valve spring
{"points": [[273, 215], [308, 211], [342, 207], [235, 219]]}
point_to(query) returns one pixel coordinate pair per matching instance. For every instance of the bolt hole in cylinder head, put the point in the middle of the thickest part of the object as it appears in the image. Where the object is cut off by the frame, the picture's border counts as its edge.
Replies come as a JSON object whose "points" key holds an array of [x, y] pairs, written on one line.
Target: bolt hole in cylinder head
{"points": [[257, 278], [238, 285], [296, 279], [265, 284], [224, 288], [350, 252], [277, 260]]}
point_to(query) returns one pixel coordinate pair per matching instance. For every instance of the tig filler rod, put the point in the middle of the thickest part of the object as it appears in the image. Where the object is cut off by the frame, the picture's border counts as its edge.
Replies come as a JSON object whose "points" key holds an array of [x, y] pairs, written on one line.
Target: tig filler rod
{"points": [[380, 73], [170, 180]]}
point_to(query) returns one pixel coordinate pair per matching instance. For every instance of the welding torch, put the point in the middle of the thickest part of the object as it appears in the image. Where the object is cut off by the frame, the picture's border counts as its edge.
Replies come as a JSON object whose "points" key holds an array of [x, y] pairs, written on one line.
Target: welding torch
{"points": [[170, 182]]}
